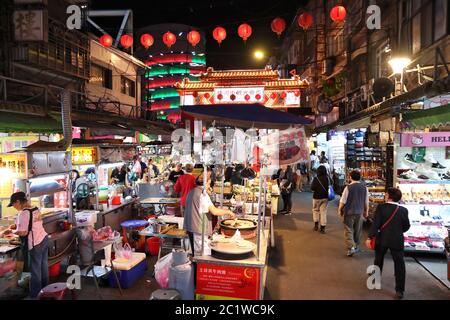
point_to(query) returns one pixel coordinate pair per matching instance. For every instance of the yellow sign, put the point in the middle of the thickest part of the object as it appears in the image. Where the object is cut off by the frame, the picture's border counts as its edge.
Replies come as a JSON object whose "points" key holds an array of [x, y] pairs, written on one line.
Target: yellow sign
{"points": [[84, 155], [13, 165]]}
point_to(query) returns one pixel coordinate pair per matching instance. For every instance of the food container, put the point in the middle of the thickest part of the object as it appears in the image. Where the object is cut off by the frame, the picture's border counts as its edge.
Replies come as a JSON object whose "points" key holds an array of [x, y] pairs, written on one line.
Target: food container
{"points": [[115, 201], [246, 227], [103, 194]]}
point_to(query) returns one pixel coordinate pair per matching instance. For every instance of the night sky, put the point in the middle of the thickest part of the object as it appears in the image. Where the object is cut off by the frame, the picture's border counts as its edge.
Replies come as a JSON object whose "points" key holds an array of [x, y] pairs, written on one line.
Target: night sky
{"points": [[206, 15]]}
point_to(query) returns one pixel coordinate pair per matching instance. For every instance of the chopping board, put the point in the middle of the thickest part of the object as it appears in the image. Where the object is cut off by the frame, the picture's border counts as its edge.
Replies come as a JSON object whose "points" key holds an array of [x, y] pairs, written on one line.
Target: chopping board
{"points": [[241, 247]]}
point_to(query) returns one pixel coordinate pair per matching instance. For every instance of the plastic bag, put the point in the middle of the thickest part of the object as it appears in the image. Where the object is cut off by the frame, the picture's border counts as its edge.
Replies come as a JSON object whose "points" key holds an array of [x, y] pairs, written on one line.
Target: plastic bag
{"points": [[162, 268], [122, 252]]}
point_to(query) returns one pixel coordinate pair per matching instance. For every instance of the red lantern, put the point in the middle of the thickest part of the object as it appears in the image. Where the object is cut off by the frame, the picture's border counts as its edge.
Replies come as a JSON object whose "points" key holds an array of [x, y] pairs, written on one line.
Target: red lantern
{"points": [[338, 14], [244, 31], [207, 95], [297, 93], [305, 20], [195, 94], [219, 34], [106, 40], [220, 96], [247, 97], [233, 97], [258, 97], [147, 40], [126, 41], [169, 39], [278, 25], [283, 94], [174, 117], [273, 95], [193, 37]]}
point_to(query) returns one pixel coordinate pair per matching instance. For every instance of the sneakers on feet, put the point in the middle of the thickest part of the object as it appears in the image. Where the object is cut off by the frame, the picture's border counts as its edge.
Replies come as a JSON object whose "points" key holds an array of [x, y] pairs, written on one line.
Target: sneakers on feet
{"points": [[357, 250], [350, 253], [322, 230], [399, 295], [316, 226]]}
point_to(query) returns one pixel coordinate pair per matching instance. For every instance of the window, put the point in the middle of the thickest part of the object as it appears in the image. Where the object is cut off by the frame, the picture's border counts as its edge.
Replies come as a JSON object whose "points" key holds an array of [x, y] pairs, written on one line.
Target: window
{"points": [[127, 86], [416, 38], [427, 27], [101, 76], [440, 19], [382, 57]]}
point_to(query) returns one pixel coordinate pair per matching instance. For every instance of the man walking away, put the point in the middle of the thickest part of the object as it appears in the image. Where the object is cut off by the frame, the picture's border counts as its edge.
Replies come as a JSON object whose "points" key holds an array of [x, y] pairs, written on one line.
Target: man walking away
{"points": [[319, 187], [390, 223], [354, 205]]}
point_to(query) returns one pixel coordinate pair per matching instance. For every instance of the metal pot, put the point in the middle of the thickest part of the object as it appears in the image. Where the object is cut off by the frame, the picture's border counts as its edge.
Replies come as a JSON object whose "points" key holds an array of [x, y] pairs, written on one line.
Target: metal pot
{"points": [[246, 232]]}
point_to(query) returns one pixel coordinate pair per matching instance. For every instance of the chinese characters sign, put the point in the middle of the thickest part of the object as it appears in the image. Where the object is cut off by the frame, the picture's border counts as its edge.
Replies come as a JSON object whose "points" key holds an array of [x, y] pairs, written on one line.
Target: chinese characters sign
{"points": [[30, 25], [84, 155], [12, 166], [227, 282]]}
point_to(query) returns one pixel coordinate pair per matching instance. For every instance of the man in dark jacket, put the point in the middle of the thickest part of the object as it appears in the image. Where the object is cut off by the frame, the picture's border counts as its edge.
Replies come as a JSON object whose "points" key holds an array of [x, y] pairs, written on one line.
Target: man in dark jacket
{"points": [[390, 223], [353, 206]]}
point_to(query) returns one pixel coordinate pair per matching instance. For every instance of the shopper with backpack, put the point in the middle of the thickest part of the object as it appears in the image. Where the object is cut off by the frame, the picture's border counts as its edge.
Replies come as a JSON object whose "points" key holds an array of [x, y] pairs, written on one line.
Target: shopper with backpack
{"points": [[320, 186]]}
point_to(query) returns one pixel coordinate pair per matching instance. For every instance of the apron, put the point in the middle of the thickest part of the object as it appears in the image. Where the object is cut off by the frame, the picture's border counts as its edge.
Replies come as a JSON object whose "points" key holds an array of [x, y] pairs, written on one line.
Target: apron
{"points": [[26, 252]]}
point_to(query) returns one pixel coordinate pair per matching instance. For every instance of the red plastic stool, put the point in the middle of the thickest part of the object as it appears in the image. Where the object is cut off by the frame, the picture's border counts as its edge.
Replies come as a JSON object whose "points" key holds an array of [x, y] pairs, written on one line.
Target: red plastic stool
{"points": [[55, 291]]}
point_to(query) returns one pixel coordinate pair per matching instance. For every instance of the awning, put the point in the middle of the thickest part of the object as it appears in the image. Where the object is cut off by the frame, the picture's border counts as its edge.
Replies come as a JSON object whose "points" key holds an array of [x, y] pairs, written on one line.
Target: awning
{"points": [[358, 124], [434, 117], [244, 116], [23, 123]]}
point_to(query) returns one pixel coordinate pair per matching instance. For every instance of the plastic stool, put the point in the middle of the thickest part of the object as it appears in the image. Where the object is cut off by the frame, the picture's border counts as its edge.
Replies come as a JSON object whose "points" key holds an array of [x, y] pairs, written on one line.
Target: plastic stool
{"points": [[165, 294], [55, 291]]}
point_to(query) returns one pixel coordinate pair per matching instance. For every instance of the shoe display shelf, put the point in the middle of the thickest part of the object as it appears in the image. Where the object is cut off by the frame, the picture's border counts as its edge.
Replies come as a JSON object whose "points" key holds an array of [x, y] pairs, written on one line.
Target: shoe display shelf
{"points": [[422, 169]]}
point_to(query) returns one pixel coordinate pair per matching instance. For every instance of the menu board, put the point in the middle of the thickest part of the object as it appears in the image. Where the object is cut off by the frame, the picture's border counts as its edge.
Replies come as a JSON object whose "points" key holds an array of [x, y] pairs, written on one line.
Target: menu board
{"points": [[221, 281], [84, 155], [12, 166]]}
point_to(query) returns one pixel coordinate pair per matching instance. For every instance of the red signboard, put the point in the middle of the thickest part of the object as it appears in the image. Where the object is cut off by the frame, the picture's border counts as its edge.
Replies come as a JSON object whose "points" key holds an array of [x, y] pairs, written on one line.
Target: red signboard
{"points": [[228, 281]]}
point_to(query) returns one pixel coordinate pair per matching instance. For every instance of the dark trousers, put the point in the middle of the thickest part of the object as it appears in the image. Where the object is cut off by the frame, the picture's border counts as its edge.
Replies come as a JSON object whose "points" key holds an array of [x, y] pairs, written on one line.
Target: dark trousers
{"points": [[39, 268], [399, 265], [287, 201]]}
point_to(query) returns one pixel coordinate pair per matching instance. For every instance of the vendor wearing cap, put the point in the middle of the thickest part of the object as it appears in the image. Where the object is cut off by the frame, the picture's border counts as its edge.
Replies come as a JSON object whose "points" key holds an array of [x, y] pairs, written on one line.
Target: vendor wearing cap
{"points": [[34, 240]]}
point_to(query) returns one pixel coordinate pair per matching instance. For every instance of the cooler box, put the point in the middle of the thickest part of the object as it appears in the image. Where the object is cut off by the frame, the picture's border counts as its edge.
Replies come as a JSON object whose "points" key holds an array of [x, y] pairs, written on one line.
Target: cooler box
{"points": [[129, 272]]}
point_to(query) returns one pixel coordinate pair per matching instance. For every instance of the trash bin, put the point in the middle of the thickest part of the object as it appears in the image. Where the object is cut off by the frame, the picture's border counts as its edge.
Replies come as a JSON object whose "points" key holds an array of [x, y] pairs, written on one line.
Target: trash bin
{"points": [[130, 232]]}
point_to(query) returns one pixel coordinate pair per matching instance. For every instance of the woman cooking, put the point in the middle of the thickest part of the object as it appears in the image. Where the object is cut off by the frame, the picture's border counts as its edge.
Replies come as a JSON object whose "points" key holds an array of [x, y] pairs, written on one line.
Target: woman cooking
{"points": [[34, 240]]}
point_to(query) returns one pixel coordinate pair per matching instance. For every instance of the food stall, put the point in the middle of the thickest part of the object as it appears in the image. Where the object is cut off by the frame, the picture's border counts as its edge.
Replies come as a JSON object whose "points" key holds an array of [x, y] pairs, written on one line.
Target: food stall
{"points": [[233, 261], [43, 176], [107, 198]]}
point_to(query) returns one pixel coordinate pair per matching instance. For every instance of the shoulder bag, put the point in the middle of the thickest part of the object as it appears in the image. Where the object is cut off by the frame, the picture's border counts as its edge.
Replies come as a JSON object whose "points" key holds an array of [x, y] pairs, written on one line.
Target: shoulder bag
{"points": [[373, 241], [331, 193]]}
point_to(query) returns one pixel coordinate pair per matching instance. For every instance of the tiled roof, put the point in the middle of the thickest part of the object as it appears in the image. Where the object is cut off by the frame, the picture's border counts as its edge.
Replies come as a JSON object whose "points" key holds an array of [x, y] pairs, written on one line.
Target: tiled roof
{"points": [[212, 75], [277, 84]]}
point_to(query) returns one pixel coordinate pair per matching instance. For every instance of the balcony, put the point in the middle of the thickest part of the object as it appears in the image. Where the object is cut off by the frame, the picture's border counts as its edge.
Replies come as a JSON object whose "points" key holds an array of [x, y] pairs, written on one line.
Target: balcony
{"points": [[66, 52]]}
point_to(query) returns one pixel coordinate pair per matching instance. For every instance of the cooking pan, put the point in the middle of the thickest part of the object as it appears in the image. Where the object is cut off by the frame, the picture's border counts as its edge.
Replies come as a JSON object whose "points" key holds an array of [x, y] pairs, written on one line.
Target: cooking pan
{"points": [[246, 232]]}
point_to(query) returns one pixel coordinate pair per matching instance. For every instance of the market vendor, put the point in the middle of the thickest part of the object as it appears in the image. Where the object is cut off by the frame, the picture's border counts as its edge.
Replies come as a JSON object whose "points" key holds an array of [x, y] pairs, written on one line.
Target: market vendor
{"points": [[198, 202], [34, 240], [118, 175], [176, 173]]}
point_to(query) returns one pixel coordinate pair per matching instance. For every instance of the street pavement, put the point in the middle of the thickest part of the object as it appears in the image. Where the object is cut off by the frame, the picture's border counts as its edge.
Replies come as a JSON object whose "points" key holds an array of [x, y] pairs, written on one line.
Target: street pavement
{"points": [[307, 265]]}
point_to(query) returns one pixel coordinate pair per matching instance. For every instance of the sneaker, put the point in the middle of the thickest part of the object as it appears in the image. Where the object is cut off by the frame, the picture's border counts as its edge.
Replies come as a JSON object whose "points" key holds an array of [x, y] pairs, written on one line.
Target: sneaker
{"points": [[421, 170], [322, 230], [437, 165], [408, 175], [316, 226], [446, 176], [423, 177], [399, 295], [409, 158], [430, 158], [350, 252], [357, 250]]}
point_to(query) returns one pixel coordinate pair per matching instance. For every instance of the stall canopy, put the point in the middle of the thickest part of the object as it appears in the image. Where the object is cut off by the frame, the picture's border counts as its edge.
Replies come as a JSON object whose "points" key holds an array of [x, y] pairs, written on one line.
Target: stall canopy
{"points": [[244, 115], [15, 122], [434, 117]]}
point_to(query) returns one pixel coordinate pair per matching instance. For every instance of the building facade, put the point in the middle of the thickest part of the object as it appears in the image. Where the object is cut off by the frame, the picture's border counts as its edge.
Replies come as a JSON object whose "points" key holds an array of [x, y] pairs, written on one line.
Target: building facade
{"points": [[347, 63]]}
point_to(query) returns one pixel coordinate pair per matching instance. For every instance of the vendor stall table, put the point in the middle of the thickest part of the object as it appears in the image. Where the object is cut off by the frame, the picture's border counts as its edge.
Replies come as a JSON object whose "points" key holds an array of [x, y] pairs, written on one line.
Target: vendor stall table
{"points": [[160, 201], [167, 240], [232, 279]]}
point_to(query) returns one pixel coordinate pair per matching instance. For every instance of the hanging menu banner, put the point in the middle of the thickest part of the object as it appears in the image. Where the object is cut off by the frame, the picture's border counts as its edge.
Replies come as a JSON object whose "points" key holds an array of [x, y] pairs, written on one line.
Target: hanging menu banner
{"points": [[429, 139], [84, 155]]}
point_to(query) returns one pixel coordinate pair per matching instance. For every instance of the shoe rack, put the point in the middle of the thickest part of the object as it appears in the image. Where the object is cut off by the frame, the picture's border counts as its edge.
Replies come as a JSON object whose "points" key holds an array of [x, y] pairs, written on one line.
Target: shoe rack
{"points": [[422, 174]]}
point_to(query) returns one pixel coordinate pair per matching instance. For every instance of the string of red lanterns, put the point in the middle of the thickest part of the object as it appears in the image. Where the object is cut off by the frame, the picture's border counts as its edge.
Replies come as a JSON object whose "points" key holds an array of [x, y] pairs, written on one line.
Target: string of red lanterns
{"points": [[278, 26]]}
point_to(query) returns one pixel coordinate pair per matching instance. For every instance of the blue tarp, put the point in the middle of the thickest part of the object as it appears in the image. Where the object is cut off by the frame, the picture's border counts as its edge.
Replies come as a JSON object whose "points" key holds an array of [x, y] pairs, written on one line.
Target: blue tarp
{"points": [[245, 115]]}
